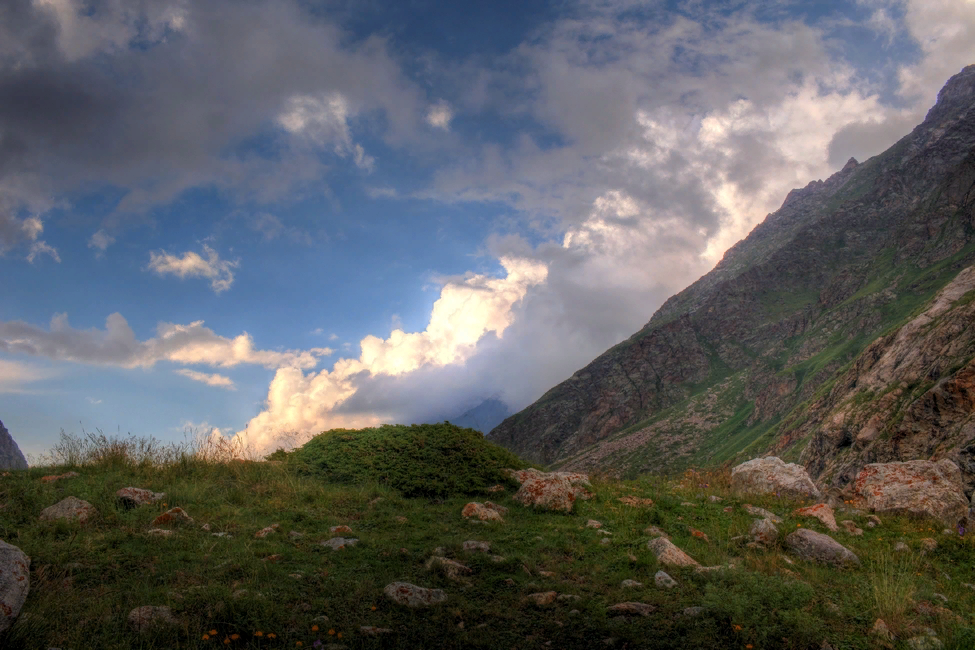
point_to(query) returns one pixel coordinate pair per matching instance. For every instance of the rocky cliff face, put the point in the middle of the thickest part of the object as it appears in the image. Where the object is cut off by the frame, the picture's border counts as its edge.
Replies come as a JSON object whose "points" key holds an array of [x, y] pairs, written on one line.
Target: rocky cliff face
{"points": [[10, 454], [757, 355]]}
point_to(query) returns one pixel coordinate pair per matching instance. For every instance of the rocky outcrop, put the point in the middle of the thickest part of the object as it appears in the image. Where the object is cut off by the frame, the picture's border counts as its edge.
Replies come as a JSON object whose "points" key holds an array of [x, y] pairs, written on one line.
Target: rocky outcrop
{"points": [[70, 508], [10, 455], [772, 475], [550, 491], [918, 487], [810, 340], [14, 583]]}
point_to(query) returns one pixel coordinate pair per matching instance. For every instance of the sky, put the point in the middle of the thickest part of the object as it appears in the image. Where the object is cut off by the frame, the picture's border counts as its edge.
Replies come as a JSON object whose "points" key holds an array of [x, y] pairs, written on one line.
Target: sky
{"points": [[262, 219]]}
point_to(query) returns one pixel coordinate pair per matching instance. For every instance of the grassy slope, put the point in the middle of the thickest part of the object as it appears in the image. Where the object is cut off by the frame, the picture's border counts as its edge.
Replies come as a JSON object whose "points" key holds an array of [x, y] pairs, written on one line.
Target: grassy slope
{"points": [[759, 604]]}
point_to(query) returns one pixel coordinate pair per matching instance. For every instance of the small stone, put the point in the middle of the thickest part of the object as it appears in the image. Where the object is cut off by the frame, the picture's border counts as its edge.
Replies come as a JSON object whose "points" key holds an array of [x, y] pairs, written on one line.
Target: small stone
{"points": [[820, 511], [821, 548], [851, 527], [372, 630], [481, 512], [873, 519], [880, 629], [626, 584], [294, 534], [483, 547], [172, 516], [264, 532], [340, 529], [604, 541], [132, 497], [496, 488], [592, 523], [547, 574], [715, 498], [497, 558], [604, 532], [143, 619], [726, 509], [70, 508], [688, 504], [763, 531], [663, 580], [940, 597], [926, 642], [667, 553], [205, 527], [509, 582], [228, 535], [413, 596], [762, 512], [698, 534], [160, 532], [273, 559], [929, 544], [452, 569], [542, 598], [337, 543], [900, 547], [947, 531], [569, 597], [401, 519], [573, 612], [692, 611], [631, 609]]}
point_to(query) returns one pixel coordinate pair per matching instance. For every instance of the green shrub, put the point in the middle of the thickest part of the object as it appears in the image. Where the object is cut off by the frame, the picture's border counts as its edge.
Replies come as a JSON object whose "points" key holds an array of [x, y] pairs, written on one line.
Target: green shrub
{"points": [[430, 460]]}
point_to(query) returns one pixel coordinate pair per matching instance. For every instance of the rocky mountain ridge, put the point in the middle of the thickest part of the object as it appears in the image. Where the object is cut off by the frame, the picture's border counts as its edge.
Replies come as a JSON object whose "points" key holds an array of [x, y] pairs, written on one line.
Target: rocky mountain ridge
{"points": [[10, 455], [768, 351]]}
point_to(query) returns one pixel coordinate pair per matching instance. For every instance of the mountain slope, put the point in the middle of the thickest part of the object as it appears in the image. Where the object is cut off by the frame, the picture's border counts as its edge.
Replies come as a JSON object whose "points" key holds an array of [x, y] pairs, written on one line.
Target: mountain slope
{"points": [[732, 365]]}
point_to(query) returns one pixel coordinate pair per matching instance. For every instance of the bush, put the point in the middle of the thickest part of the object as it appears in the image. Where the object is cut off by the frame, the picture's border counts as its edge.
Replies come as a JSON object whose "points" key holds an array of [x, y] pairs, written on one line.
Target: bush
{"points": [[428, 460]]}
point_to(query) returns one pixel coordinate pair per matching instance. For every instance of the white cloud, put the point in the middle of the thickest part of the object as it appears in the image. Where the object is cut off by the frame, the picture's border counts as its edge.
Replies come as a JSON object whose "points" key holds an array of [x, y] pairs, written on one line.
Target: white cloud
{"points": [[333, 337], [468, 308], [208, 379], [41, 248], [93, 401], [14, 375], [117, 345], [439, 115], [101, 240], [382, 192], [323, 120], [218, 271]]}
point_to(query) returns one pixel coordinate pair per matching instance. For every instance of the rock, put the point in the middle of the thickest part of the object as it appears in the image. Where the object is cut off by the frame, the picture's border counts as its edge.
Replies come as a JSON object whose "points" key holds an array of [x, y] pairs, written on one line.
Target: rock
{"points": [[372, 630], [70, 508], [404, 593], [264, 532], [132, 497], [547, 574], [482, 512], [552, 491], [592, 523], [698, 534], [653, 531], [472, 545], [160, 532], [148, 617], [631, 609], [604, 541], [820, 511], [496, 488], [172, 516], [501, 510], [873, 520], [929, 544], [728, 509], [900, 547], [880, 629], [58, 477], [635, 501], [667, 553], [340, 529], [925, 642], [770, 475], [691, 612], [295, 535], [452, 569], [14, 583], [337, 543], [810, 545], [663, 580], [10, 455], [763, 531], [579, 481], [630, 584], [914, 487], [851, 527], [569, 597], [763, 513], [688, 504], [715, 498], [542, 598]]}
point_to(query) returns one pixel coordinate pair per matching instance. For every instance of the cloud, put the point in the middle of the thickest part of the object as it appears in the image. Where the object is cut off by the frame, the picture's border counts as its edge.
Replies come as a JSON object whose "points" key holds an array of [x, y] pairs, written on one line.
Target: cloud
{"points": [[439, 115], [41, 248], [117, 345], [469, 308], [192, 265], [14, 375], [93, 401], [101, 240], [210, 380], [323, 121], [333, 337], [14, 231]]}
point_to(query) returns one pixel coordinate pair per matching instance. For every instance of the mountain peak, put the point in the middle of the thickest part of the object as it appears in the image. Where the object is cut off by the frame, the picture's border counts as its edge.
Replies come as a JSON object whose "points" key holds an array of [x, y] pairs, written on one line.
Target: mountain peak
{"points": [[957, 92], [850, 164]]}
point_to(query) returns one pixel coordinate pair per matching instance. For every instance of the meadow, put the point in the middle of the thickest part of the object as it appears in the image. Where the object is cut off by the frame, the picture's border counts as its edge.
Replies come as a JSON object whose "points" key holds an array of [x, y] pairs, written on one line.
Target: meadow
{"points": [[230, 589]]}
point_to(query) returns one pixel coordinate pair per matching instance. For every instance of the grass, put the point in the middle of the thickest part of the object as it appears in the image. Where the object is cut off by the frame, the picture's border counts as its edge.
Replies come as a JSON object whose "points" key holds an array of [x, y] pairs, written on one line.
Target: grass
{"points": [[284, 592]]}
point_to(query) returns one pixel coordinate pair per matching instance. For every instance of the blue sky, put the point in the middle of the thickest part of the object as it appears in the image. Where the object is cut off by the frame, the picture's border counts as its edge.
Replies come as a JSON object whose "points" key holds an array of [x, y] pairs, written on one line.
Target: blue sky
{"points": [[274, 217]]}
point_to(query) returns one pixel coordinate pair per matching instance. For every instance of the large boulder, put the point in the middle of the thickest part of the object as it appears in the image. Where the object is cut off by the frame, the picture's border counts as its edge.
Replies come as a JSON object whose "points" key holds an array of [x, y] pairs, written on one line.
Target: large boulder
{"points": [[550, 490], [771, 475], [915, 487], [817, 547], [10, 455], [14, 583], [71, 508]]}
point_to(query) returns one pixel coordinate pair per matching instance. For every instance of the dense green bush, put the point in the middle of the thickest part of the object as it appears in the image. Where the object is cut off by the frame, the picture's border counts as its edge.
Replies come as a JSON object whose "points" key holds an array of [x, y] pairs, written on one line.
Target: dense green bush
{"points": [[431, 460]]}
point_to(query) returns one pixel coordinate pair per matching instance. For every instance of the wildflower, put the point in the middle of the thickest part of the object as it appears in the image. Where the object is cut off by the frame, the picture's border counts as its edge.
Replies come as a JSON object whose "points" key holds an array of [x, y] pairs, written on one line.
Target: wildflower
{"points": [[749, 646], [373, 608], [798, 525], [338, 636], [317, 643], [258, 633], [299, 644], [314, 628], [234, 636], [206, 637], [226, 641], [961, 530], [213, 633], [737, 628], [272, 635], [331, 632]]}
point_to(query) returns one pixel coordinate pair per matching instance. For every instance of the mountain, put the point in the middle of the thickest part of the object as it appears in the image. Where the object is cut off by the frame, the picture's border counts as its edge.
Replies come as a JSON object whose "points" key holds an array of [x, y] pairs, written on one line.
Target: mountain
{"points": [[824, 336], [10, 455], [485, 416]]}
